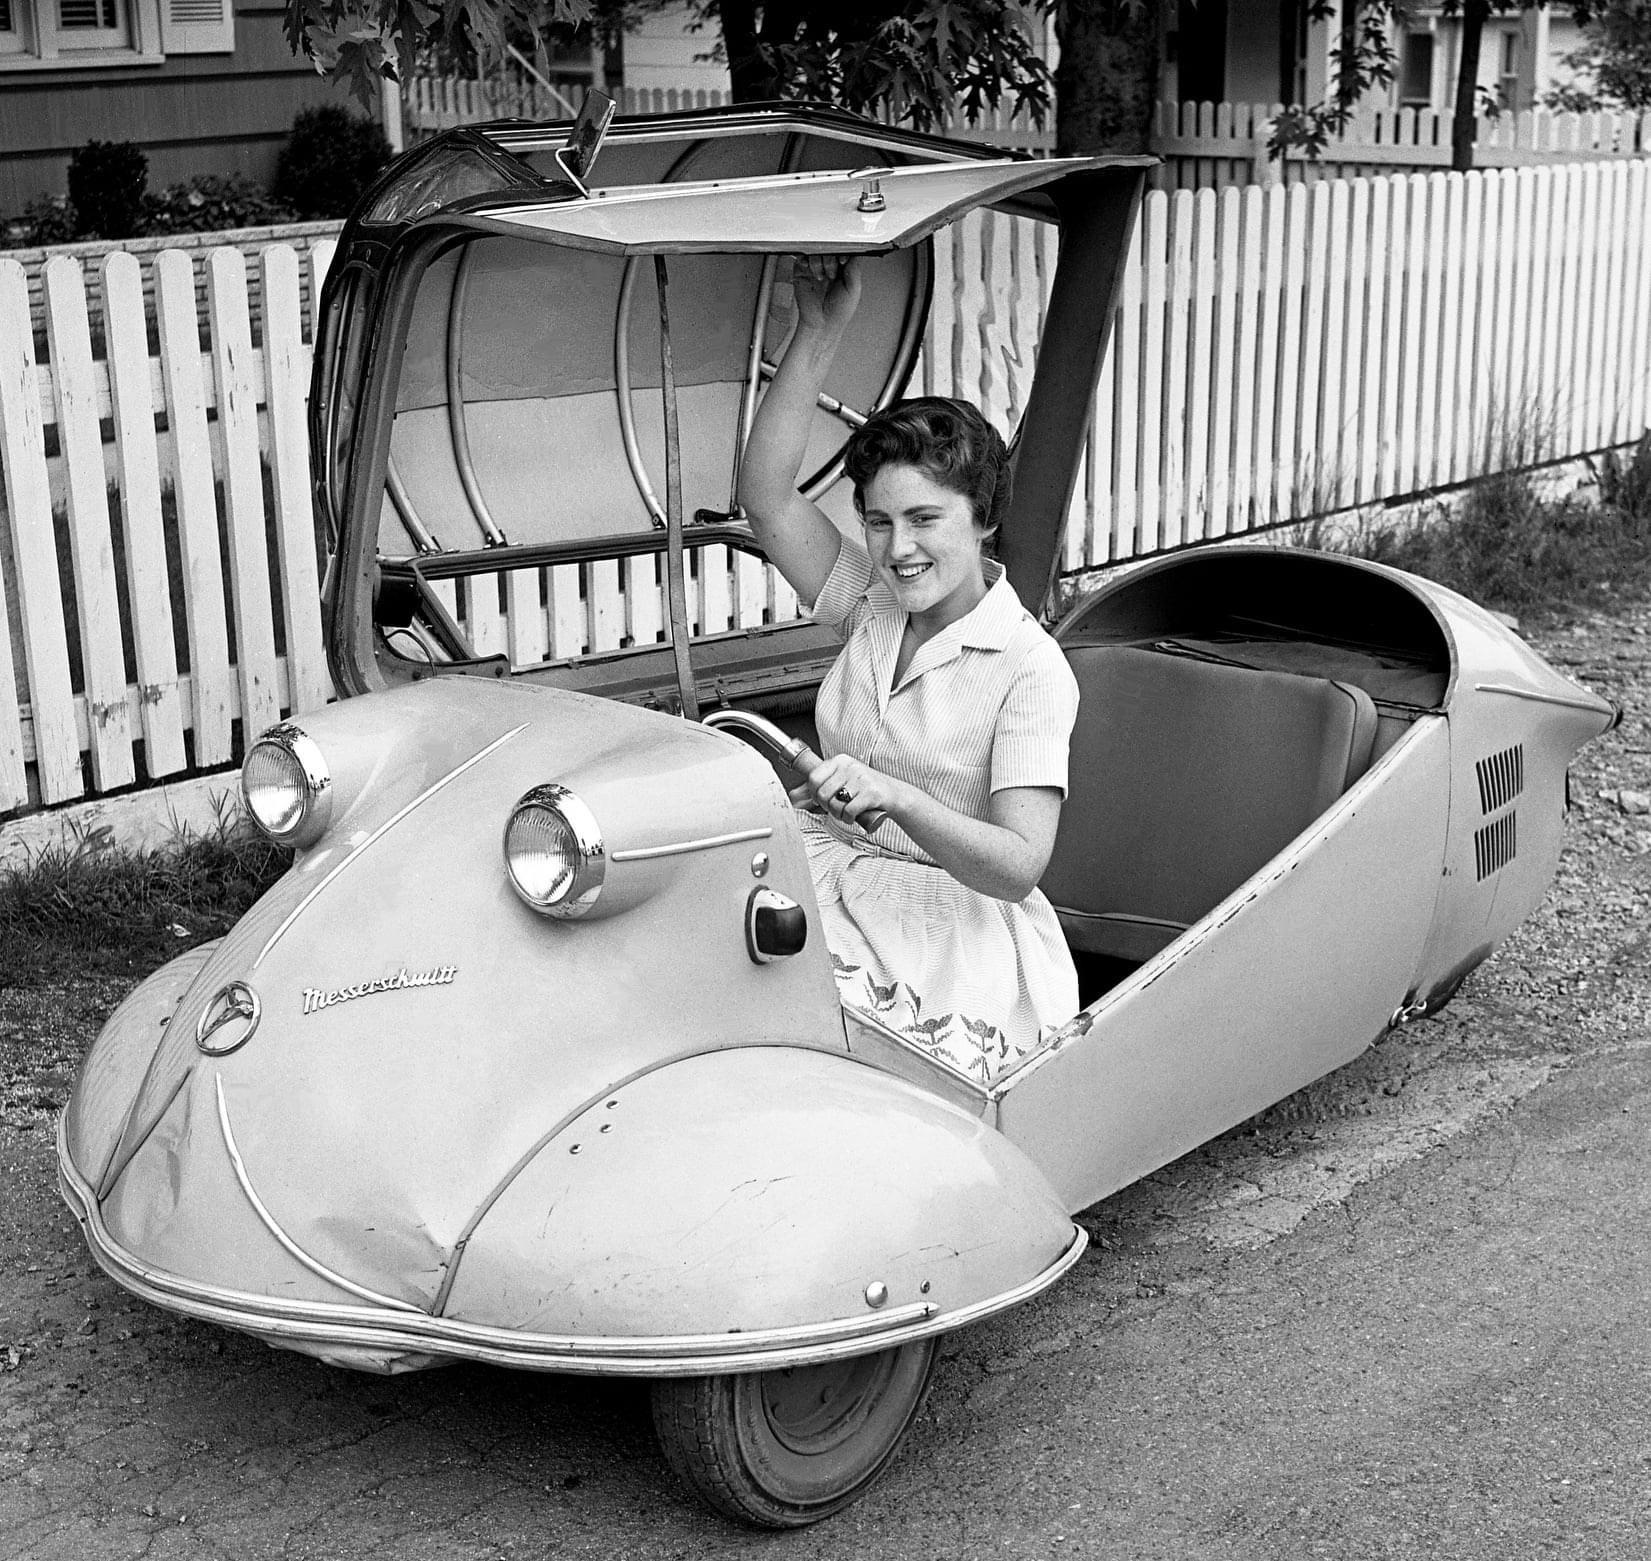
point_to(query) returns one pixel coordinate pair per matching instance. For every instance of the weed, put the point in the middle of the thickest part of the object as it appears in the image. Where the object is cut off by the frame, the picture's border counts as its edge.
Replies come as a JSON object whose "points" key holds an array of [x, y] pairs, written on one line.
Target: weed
{"points": [[90, 906], [1506, 545]]}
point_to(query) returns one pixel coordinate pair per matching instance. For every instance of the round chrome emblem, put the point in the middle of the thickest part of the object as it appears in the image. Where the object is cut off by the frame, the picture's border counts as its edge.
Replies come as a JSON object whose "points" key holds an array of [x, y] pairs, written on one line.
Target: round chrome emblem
{"points": [[229, 1020]]}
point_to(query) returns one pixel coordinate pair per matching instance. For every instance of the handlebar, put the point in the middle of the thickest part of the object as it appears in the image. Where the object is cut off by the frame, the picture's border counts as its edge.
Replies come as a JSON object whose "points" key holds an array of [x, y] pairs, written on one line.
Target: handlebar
{"points": [[790, 751]]}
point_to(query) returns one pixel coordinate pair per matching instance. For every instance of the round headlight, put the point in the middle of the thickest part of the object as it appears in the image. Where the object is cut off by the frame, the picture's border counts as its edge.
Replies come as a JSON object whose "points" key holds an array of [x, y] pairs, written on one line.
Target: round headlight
{"points": [[286, 785], [554, 853]]}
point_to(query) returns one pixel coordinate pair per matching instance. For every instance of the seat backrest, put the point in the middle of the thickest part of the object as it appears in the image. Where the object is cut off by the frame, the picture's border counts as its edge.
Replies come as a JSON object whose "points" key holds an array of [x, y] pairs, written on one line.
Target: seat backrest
{"points": [[1186, 777]]}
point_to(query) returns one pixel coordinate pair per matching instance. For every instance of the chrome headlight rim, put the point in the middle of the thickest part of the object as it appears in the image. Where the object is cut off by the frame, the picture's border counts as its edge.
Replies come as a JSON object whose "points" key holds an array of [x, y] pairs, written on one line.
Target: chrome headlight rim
{"points": [[315, 813], [591, 866]]}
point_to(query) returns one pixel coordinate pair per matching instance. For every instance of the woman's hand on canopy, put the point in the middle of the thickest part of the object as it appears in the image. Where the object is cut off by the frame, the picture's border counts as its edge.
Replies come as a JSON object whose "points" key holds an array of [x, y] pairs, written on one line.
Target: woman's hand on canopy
{"points": [[827, 290]]}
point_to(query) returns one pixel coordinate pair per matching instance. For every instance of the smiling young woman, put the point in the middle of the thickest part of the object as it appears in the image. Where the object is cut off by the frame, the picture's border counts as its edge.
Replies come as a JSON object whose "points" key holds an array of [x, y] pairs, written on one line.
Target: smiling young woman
{"points": [[949, 709]]}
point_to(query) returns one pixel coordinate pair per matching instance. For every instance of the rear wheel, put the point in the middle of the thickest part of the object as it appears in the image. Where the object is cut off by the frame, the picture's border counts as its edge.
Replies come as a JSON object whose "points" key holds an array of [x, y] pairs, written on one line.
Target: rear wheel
{"points": [[782, 1449]]}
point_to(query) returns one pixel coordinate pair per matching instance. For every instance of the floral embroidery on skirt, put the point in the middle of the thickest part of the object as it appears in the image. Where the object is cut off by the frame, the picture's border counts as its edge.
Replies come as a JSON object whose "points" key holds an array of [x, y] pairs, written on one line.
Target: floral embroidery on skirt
{"points": [[976, 982]]}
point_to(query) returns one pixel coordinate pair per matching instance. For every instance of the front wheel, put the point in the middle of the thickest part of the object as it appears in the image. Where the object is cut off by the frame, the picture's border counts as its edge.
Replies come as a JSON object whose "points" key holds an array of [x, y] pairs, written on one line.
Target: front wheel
{"points": [[781, 1449]]}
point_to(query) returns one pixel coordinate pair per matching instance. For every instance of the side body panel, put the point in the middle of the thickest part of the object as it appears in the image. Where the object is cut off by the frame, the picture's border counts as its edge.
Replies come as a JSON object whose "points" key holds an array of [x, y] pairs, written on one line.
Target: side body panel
{"points": [[1294, 974], [1515, 724]]}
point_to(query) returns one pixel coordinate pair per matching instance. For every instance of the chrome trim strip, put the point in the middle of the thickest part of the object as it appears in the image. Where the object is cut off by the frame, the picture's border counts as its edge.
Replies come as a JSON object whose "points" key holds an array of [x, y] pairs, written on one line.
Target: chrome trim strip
{"points": [[314, 1265], [681, 1355], [710, 842], [1592, 706], [383, 829]]}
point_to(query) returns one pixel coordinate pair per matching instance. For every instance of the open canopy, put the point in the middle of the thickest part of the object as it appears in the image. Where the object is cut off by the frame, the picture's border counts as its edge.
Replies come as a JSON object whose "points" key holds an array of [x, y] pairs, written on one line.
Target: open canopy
{"points": [[834, 211], [491, 373]]}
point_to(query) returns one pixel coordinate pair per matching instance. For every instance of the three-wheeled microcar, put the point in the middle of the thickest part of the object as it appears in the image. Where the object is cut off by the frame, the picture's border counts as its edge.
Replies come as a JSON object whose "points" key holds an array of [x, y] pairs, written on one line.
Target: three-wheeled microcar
{"points": [[535, 1056]]}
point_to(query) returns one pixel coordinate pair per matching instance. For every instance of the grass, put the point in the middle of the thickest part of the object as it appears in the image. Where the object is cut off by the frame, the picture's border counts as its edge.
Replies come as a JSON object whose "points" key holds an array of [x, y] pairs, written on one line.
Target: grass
{"points": [[1508, 546], [91, 907]]}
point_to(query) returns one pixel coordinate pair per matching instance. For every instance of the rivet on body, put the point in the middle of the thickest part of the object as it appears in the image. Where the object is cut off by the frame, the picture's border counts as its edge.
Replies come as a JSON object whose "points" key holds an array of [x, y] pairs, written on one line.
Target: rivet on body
{"points": [[877, 1294]]}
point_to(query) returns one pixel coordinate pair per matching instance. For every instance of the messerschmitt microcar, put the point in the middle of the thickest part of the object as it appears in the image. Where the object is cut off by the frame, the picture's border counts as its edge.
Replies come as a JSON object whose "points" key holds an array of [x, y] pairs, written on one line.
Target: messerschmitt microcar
{"points": [[536, 1057]]}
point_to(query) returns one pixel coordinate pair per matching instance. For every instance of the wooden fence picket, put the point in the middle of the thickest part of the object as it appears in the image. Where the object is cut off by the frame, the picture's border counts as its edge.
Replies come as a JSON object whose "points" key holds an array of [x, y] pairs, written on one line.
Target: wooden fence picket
{"points": [[148, 586], [1248, 267], [1204, 262], [1466, 347], [232, 365], [1224, 351], [1636, 238], [91, 541], [1584, 408], [1292, 389], [1453, 386], [1177, 365], [1154, 259], [191, 466], [286, 377], [1126, 409], [1620, 311], [1433, 286], [38, 588]]}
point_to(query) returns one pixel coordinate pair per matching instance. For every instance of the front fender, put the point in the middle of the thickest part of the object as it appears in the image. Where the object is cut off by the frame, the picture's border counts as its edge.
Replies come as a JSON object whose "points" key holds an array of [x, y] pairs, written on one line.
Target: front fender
{"points": [[798, 1197]]}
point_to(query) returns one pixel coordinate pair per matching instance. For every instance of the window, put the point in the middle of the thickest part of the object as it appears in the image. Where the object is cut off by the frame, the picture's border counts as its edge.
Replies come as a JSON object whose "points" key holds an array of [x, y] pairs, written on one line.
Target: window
{"points": [[93, 24], [1416, 71], [1507, 75], [73, 34], [11, 37]]}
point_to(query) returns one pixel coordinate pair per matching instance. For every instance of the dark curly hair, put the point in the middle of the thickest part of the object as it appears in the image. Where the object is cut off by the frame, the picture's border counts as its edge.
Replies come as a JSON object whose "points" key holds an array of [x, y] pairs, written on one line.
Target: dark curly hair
{"points": [[947, 439]]}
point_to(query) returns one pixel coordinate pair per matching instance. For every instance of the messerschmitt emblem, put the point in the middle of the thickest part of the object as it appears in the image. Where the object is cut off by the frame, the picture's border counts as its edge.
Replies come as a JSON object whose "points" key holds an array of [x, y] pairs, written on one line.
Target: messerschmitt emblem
{"points": [[229, 1020]]}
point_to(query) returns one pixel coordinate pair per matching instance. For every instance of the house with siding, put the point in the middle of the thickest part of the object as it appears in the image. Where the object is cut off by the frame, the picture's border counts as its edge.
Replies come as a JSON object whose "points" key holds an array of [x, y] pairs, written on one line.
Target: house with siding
{"points": [[1276, 51], [202, 86]]}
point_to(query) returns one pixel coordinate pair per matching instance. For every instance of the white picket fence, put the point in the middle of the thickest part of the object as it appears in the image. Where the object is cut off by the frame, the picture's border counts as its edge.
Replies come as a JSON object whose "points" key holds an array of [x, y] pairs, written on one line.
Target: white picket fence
{"points": [[77, 426], [1205, 145], [1277, 353]]}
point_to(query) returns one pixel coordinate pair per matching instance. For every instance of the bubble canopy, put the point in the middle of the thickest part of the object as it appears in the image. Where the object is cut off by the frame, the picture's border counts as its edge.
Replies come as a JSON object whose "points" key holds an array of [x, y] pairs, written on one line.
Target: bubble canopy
{"points": [[492, 366]]}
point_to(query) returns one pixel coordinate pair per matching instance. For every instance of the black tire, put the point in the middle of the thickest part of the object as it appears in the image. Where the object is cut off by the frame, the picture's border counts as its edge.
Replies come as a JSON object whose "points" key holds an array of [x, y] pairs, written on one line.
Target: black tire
{"points": [[783, 1449]]}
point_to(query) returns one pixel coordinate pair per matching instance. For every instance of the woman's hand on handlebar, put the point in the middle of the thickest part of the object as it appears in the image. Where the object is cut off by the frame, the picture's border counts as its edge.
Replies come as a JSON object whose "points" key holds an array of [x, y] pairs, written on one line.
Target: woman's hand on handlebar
{"points": [[849, 790]]}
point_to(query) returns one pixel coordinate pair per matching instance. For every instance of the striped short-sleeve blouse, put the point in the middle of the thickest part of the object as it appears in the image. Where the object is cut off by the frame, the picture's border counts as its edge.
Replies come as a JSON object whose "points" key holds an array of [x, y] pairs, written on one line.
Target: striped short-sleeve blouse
{"points": [[986, 704]]}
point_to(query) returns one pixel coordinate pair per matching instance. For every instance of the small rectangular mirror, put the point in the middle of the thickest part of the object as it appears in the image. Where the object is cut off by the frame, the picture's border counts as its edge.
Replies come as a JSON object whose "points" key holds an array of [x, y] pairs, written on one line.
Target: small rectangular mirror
{"points": [[584, 142]]}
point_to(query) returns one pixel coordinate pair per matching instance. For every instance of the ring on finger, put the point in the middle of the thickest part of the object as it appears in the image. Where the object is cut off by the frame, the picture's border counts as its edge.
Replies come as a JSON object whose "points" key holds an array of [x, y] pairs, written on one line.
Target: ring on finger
{"points": [[843, 794]]}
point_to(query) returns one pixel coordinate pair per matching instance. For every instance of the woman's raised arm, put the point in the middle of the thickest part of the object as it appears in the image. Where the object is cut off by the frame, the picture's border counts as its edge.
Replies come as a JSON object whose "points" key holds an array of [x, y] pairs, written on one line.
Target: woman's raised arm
{"points": [[797, 536]]}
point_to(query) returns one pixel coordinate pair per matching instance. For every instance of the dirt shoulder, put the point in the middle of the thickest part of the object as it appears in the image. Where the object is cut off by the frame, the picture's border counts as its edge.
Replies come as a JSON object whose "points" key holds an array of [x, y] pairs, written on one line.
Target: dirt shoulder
{"points": [[1386, 1318]]}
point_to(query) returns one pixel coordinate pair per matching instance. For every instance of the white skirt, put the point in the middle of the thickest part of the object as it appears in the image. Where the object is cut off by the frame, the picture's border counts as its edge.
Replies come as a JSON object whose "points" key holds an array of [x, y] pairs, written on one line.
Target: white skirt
{"points": [[976, 982]]}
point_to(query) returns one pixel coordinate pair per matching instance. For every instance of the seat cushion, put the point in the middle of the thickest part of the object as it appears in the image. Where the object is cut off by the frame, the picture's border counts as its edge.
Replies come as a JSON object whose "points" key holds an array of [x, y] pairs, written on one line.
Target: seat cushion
{"points": [[1186, 777]]}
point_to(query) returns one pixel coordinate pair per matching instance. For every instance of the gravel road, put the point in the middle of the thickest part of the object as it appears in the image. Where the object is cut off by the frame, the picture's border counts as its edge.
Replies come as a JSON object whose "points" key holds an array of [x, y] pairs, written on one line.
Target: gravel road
{"points": [[1400, 1314]]}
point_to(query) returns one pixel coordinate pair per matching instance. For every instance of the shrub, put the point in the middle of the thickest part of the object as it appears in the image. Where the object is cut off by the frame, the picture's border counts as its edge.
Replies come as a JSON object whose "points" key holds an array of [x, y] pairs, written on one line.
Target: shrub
{"points": [[1508, 546], [331, 156], [208, 203], [48, 220], [107, 188]]}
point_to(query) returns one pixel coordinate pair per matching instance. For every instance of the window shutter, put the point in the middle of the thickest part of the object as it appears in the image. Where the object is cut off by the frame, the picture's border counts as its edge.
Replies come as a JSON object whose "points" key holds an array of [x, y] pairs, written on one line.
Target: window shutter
{"points": [[197, 26]]}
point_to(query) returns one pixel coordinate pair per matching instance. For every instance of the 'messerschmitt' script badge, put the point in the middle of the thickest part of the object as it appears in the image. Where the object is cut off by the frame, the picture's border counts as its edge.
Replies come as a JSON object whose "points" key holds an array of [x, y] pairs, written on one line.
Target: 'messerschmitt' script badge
{"points": [[315, 999]]}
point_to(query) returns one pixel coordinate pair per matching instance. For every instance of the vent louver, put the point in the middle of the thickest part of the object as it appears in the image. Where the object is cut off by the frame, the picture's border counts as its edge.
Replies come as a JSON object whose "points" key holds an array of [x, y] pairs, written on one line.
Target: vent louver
{"points": [[1496, 845], [1501, 779]]}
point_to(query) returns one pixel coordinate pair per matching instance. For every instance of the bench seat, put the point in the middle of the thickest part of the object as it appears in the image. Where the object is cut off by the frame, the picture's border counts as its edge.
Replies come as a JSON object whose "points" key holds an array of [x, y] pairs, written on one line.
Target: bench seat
{"points": [[1187, 776]]}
